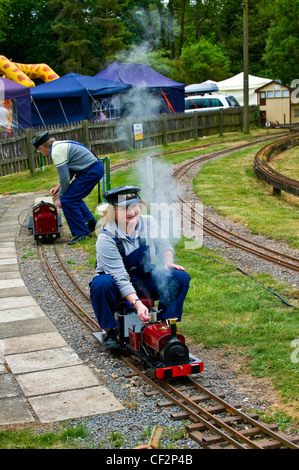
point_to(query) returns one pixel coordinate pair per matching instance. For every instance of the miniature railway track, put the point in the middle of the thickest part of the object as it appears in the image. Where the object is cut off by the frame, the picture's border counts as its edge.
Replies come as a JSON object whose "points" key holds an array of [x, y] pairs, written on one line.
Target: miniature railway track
{"points": [[214, 422], [58, 277], [271, 176], [120, 166], [218, 232], [214, 230]]}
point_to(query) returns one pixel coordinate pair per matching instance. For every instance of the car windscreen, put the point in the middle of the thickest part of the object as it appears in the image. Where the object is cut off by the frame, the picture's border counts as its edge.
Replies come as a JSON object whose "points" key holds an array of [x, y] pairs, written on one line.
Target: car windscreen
{"points": [[232, 101]]}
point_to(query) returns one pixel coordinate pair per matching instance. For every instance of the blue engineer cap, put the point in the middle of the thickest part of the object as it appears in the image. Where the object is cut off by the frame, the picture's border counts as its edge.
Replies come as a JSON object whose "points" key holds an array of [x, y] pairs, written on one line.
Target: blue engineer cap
{"points": [[122, 196], [40, 139]]}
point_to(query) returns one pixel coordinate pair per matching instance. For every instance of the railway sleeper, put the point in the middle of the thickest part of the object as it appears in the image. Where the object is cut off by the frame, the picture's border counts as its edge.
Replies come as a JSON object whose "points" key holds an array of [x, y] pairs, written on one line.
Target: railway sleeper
{"points": [[244, 432], [217, 442], [196, 399], [213, 410], [228, 420]]}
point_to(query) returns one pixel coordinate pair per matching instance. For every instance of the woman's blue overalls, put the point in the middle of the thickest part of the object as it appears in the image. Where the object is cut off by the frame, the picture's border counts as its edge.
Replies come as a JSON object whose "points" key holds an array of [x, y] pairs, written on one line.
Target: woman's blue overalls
{"points": [[170, 286]]}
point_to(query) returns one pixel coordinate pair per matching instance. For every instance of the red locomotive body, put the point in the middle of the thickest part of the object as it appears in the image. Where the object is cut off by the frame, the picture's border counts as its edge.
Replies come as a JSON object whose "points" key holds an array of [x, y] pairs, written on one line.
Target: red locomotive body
{"points": [[160, 347], [157, 335], [156, 344], [45, 221]]}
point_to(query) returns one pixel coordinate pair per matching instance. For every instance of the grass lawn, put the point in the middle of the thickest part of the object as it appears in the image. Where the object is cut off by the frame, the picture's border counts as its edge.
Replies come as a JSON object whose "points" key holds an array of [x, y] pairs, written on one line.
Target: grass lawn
{"points": [[287, 162], [225, 308], [246, 199]]}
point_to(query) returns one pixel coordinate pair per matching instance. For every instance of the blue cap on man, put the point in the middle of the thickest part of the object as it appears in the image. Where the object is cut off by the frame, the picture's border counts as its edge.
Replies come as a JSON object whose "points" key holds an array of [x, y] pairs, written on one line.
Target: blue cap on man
{"points": [[40, 139]]}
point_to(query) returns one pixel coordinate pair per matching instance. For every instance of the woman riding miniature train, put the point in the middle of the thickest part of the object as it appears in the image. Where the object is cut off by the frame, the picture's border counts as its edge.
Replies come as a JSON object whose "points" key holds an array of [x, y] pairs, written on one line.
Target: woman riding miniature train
{"points": [[134, 260]]}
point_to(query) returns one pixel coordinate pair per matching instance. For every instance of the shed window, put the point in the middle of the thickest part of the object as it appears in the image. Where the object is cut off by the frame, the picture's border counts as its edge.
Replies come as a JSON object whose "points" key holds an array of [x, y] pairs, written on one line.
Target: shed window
{"points": [[262, 98]]}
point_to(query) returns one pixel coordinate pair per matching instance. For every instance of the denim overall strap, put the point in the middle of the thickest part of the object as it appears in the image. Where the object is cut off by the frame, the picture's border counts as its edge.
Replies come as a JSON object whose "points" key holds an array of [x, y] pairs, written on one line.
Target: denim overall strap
{"points": [[137, 263]]}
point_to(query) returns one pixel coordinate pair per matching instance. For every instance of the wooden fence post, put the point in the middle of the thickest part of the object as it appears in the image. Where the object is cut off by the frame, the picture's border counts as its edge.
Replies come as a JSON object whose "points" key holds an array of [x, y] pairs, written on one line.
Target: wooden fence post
{"points": [[129, 133], [241, 119], [85, 134], [195, 126], [164, 129], [29, 151], [220, 122]]}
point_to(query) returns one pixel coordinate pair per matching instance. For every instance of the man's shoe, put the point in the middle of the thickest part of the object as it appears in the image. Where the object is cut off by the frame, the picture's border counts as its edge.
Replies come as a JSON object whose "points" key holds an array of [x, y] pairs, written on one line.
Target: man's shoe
{"points": [[110, 340], [78, 239], [91, 224]]}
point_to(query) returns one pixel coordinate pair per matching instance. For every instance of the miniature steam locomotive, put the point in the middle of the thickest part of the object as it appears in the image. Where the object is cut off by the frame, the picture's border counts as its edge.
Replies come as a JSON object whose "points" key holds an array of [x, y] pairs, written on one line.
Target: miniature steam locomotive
{"points": [[45, 220], [156, 344]]}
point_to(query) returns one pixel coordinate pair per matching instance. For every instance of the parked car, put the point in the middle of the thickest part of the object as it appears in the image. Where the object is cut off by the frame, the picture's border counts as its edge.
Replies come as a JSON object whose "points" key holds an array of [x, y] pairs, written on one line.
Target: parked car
{"points": [[209, 102]]}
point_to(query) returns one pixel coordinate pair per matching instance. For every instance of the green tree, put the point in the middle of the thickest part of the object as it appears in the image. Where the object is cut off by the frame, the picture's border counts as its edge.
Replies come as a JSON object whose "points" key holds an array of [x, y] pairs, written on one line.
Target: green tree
{"points": [[109, 19], [26, 35], [4, 20], [203, 61], [71, 26], [282, 47]]}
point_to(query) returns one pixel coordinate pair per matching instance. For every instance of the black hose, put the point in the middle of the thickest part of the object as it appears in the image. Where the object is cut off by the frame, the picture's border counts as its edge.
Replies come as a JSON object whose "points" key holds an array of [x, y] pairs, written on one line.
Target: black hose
{"points": [[247, 274]]}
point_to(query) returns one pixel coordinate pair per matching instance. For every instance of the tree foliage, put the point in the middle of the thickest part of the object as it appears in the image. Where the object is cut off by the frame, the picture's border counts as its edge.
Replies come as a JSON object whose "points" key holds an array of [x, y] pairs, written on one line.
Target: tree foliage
{"points": [[282, 46], [188, 40]]}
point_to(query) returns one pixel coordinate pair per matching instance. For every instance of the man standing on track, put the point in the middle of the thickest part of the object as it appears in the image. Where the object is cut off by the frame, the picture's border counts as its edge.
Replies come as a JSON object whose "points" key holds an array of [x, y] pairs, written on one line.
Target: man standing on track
{"points": [[71, 159]]}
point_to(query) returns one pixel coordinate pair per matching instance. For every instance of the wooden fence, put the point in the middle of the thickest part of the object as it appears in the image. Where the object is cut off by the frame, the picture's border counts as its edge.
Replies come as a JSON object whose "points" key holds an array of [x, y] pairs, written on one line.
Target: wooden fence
{"points": [[17, 154]]}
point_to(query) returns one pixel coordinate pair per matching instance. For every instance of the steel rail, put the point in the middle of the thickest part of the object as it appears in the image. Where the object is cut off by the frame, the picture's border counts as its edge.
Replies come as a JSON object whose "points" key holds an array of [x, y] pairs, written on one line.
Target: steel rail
{"points": [[266, 172], [278, 176], [194, 416], [247, 418], [197, 414], [69, 275], [259, 254], [41, 250], [211, 418], [180, 173], [119, 166]]}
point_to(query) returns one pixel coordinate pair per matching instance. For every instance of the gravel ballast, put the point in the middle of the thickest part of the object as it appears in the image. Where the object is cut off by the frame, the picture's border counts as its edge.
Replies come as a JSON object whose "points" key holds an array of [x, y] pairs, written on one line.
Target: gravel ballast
{"points": [[224, 371]]}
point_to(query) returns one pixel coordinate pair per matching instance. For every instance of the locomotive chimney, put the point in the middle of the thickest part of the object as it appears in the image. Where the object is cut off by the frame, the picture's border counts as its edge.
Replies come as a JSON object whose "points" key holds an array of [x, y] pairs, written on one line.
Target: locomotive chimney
{"points": [[172, 322]]}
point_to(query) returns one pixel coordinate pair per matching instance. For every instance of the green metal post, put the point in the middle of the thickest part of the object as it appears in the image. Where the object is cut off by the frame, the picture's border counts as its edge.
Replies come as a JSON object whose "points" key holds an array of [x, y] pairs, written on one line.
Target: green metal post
{"points": [[106, 162]]}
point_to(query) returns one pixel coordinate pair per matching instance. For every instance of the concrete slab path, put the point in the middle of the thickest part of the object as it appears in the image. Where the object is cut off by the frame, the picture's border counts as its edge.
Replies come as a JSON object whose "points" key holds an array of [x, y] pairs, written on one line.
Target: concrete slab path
{"points": [[42, 379]]}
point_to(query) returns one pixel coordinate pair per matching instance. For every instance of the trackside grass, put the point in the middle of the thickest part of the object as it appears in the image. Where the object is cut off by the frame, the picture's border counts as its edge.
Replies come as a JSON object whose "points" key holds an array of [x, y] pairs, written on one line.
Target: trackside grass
{"points": [[231, 186], [225, 308]]}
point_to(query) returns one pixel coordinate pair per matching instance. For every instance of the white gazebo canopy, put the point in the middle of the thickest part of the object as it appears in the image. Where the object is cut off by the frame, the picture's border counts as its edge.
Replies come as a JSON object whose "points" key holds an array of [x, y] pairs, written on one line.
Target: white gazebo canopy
{"points": [[234, 86]]}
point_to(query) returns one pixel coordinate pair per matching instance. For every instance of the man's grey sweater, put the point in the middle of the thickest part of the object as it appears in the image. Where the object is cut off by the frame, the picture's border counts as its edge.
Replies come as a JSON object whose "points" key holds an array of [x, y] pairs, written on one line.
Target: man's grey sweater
{"points": [[70, 157]]}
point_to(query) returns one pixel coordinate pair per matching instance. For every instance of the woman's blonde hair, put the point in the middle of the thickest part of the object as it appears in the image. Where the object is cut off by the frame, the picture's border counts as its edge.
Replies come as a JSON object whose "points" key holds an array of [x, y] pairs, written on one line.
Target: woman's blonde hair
{"points": [[109, 213]]}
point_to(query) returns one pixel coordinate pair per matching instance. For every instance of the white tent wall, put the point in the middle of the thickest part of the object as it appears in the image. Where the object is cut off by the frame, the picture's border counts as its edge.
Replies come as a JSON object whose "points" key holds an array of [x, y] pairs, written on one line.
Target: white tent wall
{"points": [[234, 86]]}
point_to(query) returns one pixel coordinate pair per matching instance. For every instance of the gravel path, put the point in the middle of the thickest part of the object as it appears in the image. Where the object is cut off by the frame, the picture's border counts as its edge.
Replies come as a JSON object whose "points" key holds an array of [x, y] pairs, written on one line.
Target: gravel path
{"points": [[224, 372]]}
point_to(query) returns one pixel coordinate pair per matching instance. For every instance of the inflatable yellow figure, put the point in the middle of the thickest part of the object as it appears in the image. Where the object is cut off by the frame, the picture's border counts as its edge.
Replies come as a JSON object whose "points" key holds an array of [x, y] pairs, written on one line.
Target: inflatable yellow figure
{"points": [[22, 73]]}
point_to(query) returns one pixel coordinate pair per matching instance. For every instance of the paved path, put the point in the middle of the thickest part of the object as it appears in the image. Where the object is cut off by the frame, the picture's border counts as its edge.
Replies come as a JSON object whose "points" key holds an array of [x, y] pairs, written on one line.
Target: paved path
{"points": [[42, 379]]}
